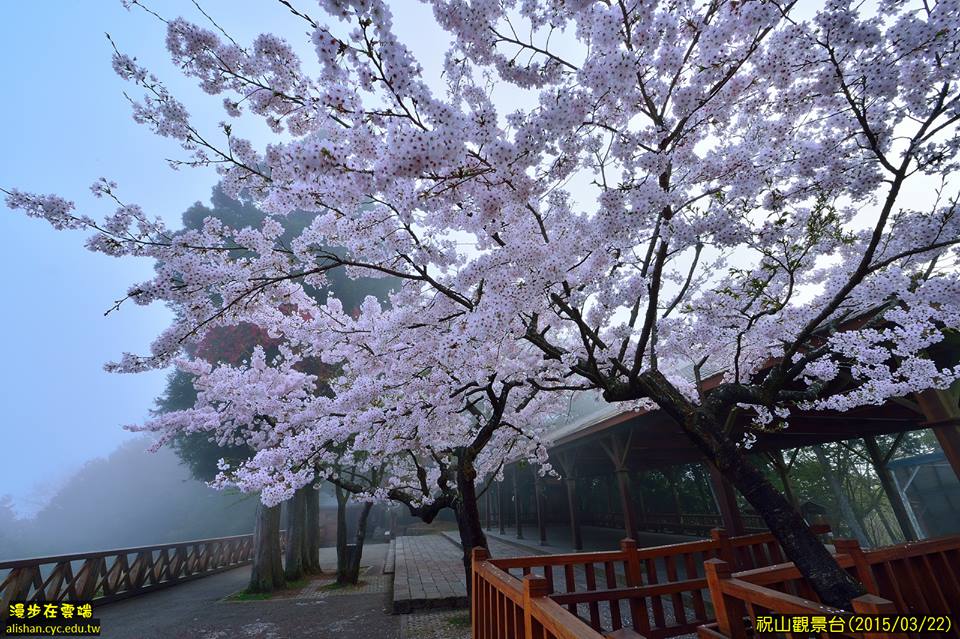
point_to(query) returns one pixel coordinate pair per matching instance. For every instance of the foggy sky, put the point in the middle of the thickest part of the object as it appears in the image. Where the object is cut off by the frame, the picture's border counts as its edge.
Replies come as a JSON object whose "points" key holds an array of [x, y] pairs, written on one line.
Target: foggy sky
{"points": [[65, 124]]}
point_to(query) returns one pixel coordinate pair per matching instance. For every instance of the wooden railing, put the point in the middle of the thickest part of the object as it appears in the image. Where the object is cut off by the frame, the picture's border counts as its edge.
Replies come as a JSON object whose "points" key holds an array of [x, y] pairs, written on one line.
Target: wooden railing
{"points": [[109, 575], [918, 578], [680, 523], [659, 592], [503, 606]]}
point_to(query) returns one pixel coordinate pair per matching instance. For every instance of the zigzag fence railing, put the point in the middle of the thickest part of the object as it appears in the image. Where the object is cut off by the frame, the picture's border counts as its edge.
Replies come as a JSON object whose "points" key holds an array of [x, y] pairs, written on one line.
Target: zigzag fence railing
{"points": [[109, 575]]}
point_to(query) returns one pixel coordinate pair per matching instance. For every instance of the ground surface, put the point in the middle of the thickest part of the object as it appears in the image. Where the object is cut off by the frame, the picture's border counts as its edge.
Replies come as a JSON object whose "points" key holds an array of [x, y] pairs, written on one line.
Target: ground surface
{"points": [[429, 567], [201, 609]]}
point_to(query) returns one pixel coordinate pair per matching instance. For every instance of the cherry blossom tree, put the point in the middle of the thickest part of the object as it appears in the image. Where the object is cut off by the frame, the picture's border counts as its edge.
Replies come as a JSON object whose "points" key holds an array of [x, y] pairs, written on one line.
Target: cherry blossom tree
{"points": [[700, 185]]}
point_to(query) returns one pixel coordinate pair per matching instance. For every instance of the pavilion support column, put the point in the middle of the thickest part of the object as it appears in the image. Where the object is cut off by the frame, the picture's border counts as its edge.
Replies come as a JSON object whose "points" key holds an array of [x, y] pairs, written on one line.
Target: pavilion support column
{"points": [[501, 508], [618, 449], [942, 412], [577, 535], [674, 478], [894, 496], [516, 500], [488, 504], [538, 498], [626, 499], [638, 493], [568, 468], [726, 499]]}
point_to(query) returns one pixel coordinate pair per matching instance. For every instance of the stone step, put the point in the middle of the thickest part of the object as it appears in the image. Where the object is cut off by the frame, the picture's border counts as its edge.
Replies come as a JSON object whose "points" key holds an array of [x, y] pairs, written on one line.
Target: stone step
{"points": [[428, 574], [389, 563]]}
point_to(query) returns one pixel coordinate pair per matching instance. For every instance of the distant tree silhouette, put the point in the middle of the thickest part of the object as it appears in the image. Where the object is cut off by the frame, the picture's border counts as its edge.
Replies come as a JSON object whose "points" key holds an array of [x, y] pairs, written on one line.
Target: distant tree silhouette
{"points": [[129, 498]]}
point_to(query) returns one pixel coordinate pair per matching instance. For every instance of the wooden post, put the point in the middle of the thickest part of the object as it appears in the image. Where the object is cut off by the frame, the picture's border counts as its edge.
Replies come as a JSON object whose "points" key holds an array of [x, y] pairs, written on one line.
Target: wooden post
{"points": [[724, 547], [516, 500], [638, 493], [538, 498], [577, 535], [534, 587], [86, 582], [486, 497], [569, 470], [634, 577], [618, 449], [942, 412], [726, 502], [477, 616], [626, 501], [729, 610], [874, 605], [852, 548], [501, 510]]}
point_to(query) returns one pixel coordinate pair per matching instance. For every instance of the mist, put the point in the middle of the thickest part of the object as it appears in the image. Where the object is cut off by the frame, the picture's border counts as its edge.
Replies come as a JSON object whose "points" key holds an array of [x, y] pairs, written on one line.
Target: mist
{"points": [[132, 497]]}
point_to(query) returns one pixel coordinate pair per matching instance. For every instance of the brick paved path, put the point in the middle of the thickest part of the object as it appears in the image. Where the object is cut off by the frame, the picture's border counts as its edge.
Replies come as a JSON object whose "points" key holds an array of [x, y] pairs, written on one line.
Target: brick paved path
{"points": [[200, 609], [428, 573]]}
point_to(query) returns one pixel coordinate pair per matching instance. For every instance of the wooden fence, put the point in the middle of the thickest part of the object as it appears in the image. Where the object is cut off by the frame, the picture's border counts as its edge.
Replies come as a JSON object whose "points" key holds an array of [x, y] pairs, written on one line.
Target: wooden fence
{"points": [[505, 607], [918, 578], [110, 575], [658, 592], [699, 524]]}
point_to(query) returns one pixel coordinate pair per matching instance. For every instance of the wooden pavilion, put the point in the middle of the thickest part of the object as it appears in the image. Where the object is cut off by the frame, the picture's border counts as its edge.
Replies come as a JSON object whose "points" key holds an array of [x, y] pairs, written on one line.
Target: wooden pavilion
{"points": [[616, 445]]}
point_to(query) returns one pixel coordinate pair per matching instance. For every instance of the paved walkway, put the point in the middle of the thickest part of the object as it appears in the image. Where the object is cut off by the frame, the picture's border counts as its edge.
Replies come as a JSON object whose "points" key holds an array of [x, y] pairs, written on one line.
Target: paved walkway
{"points": [[199, 609], [429, 571]]}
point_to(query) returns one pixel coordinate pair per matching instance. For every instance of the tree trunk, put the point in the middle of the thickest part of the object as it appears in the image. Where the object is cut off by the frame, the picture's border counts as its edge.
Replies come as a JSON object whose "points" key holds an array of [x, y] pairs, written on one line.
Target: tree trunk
{"points": [[780, 466], [296, 534], [703, 488], [889, 488], [833, 584], [311, 543], [266, 574], [352, 573], [468, 520], [705, 425], [342, 559], [846, 508]]}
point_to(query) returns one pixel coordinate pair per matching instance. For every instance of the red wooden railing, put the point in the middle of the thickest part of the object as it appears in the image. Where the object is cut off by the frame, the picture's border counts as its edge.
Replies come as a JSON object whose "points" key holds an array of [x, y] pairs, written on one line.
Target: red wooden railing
{"points": [[918, 578], [658, 592], [109, 575], [504, 606], [679, 523]]}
